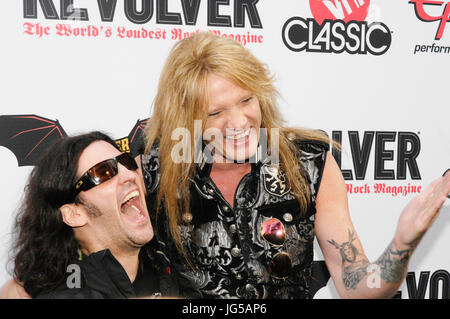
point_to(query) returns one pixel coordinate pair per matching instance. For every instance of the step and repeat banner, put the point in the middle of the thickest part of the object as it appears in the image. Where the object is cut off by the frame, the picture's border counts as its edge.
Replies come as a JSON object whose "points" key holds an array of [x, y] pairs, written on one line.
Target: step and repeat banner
{"points": [[373, 74]]}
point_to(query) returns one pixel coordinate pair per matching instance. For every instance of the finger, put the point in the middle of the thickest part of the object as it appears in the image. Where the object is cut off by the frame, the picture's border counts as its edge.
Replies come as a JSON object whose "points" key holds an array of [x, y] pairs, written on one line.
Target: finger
{"points": [[446, 172], [433, 212], [443, 188], [447, 179], [427, 194], [437, 199]]}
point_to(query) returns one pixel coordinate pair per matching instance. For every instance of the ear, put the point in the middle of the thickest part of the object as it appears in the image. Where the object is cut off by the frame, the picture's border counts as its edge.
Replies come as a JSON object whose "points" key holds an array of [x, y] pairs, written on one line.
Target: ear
{"points": [[73, 215]]}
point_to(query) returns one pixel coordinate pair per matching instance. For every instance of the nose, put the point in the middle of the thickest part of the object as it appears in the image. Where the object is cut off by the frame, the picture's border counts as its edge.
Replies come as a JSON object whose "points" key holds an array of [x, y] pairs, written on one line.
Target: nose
{"points": [[126, 175], [236, 118]]}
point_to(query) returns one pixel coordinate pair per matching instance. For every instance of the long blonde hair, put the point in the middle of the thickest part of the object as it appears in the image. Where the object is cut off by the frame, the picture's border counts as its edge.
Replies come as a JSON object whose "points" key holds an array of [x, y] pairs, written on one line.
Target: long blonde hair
{"points": [[182, 98]]}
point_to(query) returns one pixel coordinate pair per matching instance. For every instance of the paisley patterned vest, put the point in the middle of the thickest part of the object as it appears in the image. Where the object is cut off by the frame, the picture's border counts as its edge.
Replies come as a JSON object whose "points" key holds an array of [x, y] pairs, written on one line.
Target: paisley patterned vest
{"points": [[224, 243]]}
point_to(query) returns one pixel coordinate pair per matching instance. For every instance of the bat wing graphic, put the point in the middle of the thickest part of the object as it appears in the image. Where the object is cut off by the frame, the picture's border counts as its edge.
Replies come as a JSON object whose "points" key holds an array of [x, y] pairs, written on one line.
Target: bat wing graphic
{"points": [[320, 276], [29, 136], [136, 137]]}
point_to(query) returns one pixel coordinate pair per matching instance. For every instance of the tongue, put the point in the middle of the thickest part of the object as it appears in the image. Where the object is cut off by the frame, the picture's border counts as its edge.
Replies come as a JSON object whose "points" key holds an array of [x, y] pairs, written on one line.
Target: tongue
{"points": [[133, 209]]}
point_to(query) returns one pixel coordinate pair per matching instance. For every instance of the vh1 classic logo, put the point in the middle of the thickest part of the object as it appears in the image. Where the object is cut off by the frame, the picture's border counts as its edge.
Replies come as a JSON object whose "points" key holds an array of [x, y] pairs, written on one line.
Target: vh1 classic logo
{"points": [[338, 26]]}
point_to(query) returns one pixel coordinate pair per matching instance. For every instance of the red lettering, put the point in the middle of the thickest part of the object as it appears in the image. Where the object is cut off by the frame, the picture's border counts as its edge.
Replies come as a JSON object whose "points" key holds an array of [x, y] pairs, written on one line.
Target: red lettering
{"points": [[36, 29], [28, 28], [424, 16]]}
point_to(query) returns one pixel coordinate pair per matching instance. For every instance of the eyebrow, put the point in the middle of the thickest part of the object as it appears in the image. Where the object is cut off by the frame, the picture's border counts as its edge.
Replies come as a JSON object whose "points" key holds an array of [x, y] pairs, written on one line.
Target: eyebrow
{"points": [[247, 96], [219, 107]]}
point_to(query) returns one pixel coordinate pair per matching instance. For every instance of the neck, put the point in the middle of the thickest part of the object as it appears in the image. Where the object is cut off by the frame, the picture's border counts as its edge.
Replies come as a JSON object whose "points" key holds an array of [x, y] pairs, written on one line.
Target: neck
{"points": [[225, 167], [222, 164], [129, 261], [128, 258]]}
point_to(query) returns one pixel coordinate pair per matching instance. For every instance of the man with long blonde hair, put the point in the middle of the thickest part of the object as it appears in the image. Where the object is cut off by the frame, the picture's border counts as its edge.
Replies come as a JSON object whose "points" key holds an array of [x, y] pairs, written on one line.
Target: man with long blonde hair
{"points": [[241, 220]]}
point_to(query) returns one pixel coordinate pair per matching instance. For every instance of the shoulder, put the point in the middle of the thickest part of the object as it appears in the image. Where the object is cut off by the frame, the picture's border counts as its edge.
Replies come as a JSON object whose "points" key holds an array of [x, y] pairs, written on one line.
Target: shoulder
{"points": [[312, 150], [64, 292], [75, 293], [162, 259], [316, 143], [150, 159], [13, 290], [150, 168], [312, 154]]}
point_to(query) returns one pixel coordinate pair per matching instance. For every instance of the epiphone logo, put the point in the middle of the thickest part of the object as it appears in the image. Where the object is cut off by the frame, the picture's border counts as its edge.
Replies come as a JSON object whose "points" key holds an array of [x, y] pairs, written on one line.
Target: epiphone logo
{"points": [[407, 151], [142, 11], [421, 13]]}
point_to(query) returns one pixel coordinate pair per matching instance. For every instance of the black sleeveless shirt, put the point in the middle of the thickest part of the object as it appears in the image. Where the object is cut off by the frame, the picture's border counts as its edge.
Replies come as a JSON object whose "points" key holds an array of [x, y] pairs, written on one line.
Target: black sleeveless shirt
{"points": [[224, 243]]}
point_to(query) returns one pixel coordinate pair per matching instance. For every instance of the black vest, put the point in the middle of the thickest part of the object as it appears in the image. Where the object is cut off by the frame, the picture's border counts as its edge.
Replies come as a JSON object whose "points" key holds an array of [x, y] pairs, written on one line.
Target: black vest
{"points": [[224, 243]]}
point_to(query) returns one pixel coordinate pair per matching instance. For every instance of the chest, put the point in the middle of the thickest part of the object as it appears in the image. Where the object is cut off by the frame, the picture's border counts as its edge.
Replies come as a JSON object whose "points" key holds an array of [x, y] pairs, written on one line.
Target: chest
{"points": [[227, 182], [227, 245]]}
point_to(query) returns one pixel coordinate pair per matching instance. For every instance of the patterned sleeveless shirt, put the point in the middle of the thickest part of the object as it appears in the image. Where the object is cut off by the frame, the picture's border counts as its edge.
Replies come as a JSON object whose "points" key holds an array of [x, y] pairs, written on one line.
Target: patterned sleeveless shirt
{"points": [[224, 242]]}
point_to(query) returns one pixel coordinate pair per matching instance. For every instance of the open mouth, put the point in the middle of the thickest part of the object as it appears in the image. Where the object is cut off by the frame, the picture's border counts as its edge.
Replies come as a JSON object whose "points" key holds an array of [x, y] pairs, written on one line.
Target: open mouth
{"points": [[239, 137], [132, 208]]}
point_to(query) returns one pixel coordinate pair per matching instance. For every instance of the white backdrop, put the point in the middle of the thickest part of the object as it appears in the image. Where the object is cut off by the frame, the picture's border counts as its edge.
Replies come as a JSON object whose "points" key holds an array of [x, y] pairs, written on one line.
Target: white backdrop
{"points": [[106, 83]]}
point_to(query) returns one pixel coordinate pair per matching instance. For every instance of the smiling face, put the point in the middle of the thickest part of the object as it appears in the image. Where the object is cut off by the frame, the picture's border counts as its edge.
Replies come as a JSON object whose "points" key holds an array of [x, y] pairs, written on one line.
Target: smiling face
{"points": [[236, 114], [117, 216]]}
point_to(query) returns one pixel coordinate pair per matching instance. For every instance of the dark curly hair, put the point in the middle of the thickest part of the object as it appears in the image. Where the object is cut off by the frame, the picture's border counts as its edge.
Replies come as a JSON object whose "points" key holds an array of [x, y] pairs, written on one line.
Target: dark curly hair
{"points": [[44, 245]]}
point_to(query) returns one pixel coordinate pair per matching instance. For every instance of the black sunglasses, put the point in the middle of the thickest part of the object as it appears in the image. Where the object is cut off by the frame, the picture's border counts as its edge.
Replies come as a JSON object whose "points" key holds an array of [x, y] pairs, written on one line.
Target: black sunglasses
{"points": [[103, 171], [273, 231]]}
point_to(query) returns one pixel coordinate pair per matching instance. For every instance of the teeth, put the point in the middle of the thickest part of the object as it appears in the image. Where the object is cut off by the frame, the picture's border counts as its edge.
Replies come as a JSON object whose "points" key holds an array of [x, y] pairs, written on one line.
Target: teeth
{"points": [[135, 208], [130, 196], [238, 136]]}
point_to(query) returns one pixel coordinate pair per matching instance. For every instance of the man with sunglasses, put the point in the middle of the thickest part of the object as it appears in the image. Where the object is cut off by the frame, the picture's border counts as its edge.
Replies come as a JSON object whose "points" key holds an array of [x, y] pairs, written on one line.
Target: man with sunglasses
{"points": [[84, 230]]}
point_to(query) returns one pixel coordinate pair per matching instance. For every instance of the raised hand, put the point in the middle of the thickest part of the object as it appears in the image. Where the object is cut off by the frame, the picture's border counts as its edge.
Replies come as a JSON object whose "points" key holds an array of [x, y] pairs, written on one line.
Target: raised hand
{"points": [[421, 212]]}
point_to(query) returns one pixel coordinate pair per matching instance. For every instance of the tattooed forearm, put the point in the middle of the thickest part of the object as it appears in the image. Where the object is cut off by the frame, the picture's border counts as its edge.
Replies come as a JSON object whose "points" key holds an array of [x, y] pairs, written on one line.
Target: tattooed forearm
{"points": [[352, 275], [393, 263], [354, 265]]}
